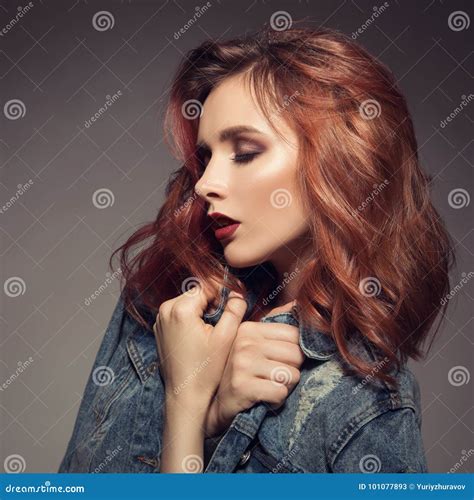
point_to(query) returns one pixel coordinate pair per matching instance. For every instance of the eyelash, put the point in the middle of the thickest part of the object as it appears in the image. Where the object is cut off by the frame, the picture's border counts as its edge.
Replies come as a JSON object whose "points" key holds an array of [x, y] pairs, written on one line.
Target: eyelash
{"points": [[241, 159], [244, 158]]}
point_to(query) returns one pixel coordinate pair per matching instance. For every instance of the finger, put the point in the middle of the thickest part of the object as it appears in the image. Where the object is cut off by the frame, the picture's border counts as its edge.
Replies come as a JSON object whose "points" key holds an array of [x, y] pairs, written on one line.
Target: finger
{"points": [[225, 331], [268, 391], [279, 331], [198, 297], [277, 372], [284, 352], [215, 294], [232, 316]]}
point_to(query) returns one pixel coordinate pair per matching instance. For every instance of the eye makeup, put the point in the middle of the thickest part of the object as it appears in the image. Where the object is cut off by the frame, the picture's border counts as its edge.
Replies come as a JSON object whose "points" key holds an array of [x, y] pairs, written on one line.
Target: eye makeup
{"points": [[245, 151]]}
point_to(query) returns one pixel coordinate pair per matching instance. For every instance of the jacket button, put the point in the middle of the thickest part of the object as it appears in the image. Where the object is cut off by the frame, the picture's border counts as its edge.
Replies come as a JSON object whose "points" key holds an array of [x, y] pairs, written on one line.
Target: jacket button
{"points": [[152, 367], [245, 458]]}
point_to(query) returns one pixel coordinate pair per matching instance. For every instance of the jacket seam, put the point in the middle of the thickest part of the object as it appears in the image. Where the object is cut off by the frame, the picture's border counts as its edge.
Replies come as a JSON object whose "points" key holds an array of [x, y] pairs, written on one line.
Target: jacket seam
{"points": [[135, 356], [102, 412], [357, 422]]}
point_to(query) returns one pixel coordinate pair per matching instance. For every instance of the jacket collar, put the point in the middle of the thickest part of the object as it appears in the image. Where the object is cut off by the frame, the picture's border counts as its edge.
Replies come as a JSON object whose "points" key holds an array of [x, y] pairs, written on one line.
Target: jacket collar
{"points": [[314, 343]]}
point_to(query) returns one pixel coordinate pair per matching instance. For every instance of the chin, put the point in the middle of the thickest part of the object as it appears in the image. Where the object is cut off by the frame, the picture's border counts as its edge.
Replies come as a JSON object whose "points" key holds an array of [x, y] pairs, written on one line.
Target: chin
{"points": [[237, 258]]}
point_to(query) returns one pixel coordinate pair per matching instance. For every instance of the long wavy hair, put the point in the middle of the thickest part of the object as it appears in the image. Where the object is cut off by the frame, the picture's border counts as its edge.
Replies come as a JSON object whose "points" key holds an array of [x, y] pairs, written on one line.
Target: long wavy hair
{"points": [[381, 254]]}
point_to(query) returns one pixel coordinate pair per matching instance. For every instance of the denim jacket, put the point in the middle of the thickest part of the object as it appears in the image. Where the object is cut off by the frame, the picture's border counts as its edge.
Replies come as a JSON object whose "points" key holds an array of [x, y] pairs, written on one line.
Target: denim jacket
{"points": [[331, 421]]}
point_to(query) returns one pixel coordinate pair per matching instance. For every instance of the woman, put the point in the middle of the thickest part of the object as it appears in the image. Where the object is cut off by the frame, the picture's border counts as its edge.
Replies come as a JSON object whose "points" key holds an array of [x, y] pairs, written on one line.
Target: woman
{"points": [[300, 191]]}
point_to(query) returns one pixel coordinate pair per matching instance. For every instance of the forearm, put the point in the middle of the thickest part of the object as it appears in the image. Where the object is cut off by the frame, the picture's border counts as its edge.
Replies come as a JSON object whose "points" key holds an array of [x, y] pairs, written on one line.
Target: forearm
{"points": [[183, 438]]}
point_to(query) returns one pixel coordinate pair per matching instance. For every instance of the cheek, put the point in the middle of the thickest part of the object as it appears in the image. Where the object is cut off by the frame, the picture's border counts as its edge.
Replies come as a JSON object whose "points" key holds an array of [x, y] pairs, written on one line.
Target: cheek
{"points": [[281, 221], [274, 204], [273, 210], [271, 191], [264, 234]]}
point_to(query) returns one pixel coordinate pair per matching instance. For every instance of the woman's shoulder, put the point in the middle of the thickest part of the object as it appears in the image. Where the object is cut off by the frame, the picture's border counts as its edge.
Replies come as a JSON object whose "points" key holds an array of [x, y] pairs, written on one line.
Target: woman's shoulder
{"points": [[347, 401], [336, 422], [381, 427]]}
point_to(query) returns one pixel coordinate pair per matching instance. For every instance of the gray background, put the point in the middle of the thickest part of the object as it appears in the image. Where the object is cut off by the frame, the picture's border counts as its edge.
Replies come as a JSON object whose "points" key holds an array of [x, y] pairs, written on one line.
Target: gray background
{"points": [[58, 242]]}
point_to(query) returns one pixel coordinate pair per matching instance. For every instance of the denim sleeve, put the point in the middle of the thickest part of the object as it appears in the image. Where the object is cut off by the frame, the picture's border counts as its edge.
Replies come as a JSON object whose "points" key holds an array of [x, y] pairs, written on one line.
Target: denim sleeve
{"points": [[109, 343], [390, 442]]}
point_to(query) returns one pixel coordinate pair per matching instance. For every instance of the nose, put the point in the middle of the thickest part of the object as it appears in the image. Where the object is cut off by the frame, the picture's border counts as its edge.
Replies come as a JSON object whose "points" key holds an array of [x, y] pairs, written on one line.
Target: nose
{"points": [[210, 188]]}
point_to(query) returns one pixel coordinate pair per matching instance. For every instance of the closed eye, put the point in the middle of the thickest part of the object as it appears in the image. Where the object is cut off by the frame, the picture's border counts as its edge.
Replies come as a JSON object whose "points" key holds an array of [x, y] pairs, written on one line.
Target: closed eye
{"points": [[245, 158]]}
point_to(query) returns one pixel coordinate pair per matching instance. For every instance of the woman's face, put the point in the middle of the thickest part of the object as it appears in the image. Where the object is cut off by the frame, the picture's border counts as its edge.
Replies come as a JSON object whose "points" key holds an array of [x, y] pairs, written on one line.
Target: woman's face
{"points": [[250, 176]]}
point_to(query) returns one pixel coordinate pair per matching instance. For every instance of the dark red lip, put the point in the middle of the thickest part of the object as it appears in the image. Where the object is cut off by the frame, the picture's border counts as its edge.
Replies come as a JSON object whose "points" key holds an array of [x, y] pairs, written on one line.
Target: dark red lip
{"points": [[223, 225], [226, 231], [222, 218]]}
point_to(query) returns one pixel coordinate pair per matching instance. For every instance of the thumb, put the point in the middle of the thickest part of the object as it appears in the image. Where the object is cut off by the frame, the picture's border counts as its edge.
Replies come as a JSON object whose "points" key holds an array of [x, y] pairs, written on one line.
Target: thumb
{"points": [[229, 322]]}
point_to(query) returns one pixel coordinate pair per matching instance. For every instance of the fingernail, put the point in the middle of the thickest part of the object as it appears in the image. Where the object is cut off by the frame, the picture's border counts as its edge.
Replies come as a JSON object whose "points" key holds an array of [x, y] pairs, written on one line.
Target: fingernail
{"points": [[235, 294]]}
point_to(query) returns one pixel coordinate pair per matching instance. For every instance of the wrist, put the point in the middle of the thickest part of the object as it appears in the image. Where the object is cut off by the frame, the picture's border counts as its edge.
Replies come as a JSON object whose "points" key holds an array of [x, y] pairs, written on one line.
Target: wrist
{"points": [[216, 422], [212, 421], [182, 405]]}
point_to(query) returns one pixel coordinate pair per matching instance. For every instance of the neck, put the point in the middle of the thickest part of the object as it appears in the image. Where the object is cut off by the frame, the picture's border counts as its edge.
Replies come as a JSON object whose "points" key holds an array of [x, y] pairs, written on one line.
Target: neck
{"points": [[289, 264]]}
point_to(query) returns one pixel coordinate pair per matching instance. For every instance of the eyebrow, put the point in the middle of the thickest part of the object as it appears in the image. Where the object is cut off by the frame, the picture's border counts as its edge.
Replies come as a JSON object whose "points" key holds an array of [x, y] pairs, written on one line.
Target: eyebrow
{"points": [[230, 133]]}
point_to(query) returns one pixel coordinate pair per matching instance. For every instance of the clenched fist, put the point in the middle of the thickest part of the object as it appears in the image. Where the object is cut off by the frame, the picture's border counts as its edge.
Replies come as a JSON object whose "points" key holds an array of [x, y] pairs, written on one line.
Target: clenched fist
{"points": [[192, 353], [263, 365]]}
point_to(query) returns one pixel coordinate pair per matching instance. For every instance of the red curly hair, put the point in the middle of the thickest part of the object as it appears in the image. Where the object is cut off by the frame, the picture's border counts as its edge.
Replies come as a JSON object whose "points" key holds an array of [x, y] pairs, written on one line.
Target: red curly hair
{"points": [[381, 253]]}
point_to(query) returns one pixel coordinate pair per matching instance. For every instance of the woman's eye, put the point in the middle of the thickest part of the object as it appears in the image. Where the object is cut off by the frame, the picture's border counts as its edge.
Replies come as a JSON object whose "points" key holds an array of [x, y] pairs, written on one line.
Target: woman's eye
{"points": [[245, 157]]}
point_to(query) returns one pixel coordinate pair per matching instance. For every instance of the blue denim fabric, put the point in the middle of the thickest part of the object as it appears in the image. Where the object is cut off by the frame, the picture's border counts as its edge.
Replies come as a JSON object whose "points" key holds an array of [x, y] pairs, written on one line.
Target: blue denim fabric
{"points": [[331, 422]]}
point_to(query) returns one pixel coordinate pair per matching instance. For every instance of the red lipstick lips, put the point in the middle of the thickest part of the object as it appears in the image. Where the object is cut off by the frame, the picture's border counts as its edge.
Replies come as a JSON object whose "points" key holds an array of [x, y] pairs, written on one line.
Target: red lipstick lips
{"points": [[223, 225]]}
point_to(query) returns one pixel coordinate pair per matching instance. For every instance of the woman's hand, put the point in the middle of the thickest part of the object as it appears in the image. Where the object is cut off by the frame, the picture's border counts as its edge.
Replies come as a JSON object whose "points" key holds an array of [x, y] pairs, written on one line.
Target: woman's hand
{"points": [[192, 359], [263, 365]]}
